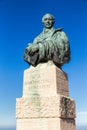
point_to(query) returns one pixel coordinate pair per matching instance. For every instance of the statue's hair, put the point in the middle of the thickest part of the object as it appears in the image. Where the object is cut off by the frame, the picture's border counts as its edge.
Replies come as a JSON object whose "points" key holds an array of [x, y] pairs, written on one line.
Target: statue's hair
{"points": [[52, 17]]}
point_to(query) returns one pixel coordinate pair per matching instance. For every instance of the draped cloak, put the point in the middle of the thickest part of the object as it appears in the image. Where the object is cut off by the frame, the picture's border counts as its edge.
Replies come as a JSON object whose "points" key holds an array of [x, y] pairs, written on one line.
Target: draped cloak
{"points": [[52, 45]]}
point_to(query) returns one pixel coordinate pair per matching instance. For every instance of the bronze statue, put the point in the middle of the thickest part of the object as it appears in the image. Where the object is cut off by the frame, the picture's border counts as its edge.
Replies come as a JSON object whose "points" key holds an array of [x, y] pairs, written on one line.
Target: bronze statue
{"points": [[51, 44]]}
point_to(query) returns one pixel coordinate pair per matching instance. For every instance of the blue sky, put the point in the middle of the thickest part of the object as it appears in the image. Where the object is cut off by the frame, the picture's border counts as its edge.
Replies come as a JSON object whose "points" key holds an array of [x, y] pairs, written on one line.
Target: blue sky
{"points": [[20, 22]]}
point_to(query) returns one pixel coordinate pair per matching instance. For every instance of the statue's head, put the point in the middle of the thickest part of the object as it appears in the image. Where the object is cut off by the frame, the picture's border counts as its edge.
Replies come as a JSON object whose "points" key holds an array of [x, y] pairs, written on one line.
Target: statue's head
{"points": [[48, 20]]}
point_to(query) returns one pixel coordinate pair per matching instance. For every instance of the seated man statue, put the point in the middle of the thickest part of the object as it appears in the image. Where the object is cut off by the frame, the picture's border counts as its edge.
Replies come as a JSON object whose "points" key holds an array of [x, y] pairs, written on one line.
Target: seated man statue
{"points": [[52, 44]]}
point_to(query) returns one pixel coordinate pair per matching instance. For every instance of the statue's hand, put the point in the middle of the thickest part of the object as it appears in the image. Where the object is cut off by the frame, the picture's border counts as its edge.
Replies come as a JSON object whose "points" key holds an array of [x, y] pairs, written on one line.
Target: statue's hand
{"points": [[26, 50], [33, 49]]}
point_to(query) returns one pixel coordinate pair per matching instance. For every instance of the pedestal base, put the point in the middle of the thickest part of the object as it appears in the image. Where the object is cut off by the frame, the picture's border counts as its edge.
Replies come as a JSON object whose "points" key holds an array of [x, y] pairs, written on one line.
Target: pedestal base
{"points": [[46, 124], [45, 104]]}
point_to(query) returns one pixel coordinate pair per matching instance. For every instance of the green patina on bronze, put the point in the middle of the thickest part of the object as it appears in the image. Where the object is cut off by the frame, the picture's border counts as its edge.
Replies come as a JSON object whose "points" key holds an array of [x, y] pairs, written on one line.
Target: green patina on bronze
{"points": [[51, 44]]}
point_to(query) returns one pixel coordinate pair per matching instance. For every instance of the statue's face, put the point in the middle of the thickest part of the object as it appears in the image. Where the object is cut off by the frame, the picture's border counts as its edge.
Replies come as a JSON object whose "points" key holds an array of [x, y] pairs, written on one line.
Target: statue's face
{"points": [[48, 21]]}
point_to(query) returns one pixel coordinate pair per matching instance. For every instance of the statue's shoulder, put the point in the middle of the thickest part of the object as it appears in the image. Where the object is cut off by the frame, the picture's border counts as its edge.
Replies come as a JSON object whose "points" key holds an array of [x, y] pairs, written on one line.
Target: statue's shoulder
{"points": [[60, 32], [57, 31]]}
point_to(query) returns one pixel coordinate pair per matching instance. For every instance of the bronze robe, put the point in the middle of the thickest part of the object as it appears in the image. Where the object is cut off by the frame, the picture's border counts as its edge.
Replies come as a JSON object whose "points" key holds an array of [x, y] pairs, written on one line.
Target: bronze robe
{"points": [[49, 45]]}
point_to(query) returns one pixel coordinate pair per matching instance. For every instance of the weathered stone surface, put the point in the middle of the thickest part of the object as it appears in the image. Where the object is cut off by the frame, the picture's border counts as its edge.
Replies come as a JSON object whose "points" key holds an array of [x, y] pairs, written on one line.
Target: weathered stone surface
{"points": [[67, 108], [43, 79], [46, 124], [45, 104], [49, 107]]}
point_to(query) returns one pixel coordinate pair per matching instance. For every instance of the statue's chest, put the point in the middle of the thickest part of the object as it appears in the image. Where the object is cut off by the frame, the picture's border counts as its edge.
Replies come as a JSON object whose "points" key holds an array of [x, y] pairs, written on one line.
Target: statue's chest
{"points": [[46, 36]]}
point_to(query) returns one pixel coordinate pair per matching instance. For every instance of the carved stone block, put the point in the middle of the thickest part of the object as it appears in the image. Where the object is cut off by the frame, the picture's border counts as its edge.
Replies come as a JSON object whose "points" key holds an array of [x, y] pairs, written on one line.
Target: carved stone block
{"points": [[45, 103], [48, 107], [43, 79]]}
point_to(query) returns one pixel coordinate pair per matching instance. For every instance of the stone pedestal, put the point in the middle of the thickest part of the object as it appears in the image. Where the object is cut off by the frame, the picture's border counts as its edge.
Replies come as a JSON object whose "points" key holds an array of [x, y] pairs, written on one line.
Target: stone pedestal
{"points": [[45, 104]]}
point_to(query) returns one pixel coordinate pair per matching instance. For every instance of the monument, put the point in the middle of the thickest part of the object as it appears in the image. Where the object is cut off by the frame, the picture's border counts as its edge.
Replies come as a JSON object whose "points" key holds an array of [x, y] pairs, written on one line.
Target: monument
{"points": [[45, 104]]}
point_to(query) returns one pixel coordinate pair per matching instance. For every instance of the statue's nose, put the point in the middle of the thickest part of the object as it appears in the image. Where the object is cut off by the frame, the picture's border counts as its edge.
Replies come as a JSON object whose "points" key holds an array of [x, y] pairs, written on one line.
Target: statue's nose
{"points": [[48, 21]]}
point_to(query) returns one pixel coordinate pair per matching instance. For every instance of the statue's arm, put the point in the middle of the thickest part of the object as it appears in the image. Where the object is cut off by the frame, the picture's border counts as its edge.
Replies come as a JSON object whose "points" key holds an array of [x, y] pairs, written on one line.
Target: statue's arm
{"points": [[32, 47], [63, 39], [37, 40]]}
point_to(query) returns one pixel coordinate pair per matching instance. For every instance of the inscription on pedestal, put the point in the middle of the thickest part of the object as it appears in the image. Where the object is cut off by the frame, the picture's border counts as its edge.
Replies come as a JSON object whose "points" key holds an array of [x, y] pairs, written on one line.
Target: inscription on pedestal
{"points": [[39, 83]]}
